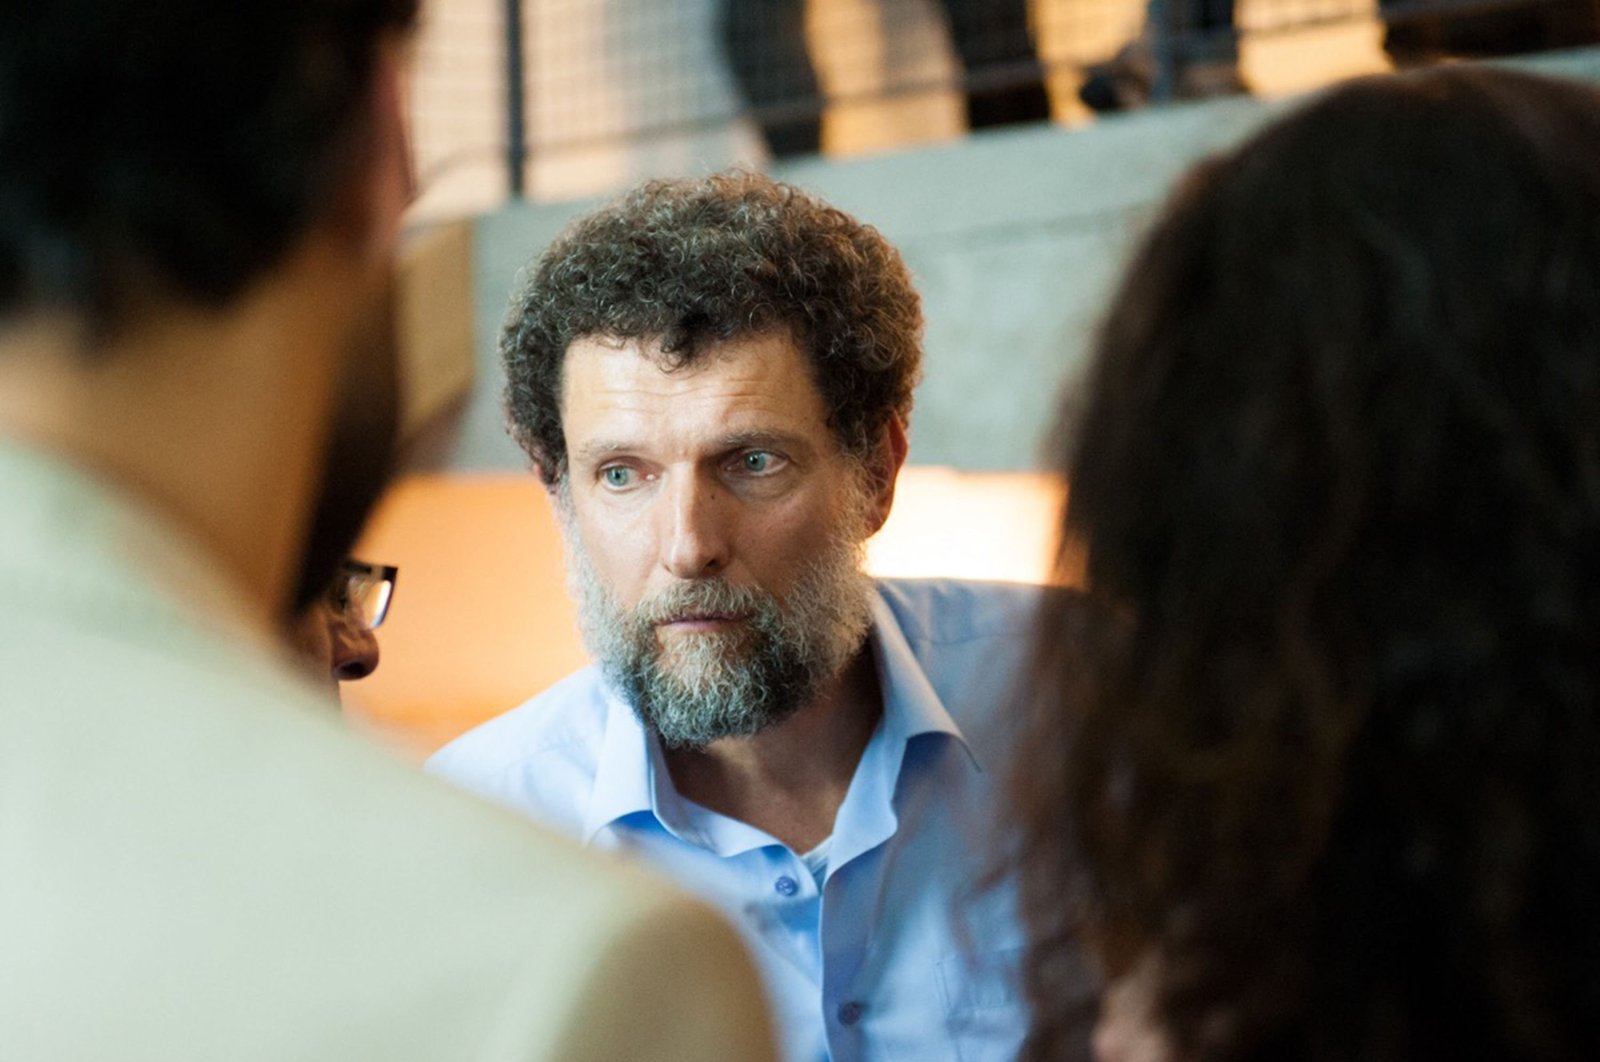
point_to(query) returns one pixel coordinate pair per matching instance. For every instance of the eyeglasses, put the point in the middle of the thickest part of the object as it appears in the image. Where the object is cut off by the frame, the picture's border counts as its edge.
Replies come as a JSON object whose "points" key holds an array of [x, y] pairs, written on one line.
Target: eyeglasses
{"points": [[364, 591]]}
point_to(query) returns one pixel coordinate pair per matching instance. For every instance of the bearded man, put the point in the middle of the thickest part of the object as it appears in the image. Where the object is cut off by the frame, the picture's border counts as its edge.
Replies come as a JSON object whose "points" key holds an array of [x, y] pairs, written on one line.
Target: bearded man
{"points": [[713, 379]]}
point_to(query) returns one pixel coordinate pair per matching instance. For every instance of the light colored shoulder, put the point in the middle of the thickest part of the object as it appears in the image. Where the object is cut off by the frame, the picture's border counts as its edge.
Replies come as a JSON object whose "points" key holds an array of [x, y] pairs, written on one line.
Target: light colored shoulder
{"points": [[584, 955], [669, 982], [419, 923], [971, 641], [539, 758], [959, 610], [573, 711]]}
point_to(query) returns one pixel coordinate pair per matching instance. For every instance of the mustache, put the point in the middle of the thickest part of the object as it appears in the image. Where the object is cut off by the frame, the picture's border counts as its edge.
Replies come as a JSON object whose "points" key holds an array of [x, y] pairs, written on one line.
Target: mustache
{"points": [[704, 599]]}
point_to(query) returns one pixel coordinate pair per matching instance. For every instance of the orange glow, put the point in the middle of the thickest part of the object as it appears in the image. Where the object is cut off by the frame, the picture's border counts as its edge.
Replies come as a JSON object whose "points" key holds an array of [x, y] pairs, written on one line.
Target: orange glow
{"points": [[969, 525], [481, 619]]}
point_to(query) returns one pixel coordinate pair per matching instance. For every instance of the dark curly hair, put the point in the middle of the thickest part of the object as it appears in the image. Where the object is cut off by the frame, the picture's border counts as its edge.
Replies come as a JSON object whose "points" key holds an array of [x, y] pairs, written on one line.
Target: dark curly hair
{"points": [[1334, 760], [171, 147], [692, 261]]}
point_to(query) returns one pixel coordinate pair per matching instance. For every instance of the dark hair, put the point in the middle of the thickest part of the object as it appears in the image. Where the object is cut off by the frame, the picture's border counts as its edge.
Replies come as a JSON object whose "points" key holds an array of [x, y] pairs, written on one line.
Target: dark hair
{"points": [[712, 258], [170, 147], [1336, 761]]}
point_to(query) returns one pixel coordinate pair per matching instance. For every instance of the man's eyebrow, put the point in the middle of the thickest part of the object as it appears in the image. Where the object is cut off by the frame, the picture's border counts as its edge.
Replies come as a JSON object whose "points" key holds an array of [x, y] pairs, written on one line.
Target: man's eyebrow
{"points": [[789, 442], [596, 449]]}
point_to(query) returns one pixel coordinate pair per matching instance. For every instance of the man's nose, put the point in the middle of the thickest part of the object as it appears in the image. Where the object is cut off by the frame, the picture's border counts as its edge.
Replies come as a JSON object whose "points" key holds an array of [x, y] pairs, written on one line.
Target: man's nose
{"points": [[354, 651], [695, 539]]}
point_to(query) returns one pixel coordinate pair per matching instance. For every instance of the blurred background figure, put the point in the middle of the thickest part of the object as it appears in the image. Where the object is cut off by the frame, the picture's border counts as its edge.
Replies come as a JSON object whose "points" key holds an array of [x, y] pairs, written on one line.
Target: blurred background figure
{"points": [[766, 47], [199, 211], [337, 634], [1325, 788], [1201, 58]]}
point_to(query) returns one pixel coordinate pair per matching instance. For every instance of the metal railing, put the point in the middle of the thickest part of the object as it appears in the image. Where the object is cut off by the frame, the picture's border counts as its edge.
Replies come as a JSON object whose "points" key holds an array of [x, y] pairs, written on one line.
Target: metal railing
{"points": [[510, 89]]}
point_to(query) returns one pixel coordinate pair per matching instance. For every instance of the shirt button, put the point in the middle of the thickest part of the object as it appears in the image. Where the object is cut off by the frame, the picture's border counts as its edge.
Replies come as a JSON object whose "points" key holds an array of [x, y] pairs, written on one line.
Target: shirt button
{"points": [[786, 886], [850, 1013]]}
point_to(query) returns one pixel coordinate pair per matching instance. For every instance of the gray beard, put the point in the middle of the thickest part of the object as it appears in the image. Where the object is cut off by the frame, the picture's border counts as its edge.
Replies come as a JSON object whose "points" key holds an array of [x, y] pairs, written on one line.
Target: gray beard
{"points": [[704, 687]]}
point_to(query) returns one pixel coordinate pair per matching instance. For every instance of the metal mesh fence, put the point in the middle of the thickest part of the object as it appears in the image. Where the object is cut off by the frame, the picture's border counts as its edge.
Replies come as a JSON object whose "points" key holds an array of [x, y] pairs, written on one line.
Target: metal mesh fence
{"points": [[458, 106], [613, 88]]}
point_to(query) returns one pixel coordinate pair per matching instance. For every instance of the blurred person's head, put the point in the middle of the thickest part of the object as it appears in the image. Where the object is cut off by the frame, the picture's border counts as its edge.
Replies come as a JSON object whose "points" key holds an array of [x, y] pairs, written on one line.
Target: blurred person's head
{"points": [[1326, 787], [337, 634], [198, 203], [712, 378]]}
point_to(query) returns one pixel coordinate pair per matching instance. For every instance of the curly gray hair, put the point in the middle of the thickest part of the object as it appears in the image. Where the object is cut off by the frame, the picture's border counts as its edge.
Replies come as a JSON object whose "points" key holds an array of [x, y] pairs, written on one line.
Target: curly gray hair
{"points": [[712, 258]]}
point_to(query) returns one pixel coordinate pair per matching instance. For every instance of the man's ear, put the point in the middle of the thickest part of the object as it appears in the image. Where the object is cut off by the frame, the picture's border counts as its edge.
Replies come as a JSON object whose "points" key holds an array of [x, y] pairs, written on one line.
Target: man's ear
{"points": [[883, 470]]}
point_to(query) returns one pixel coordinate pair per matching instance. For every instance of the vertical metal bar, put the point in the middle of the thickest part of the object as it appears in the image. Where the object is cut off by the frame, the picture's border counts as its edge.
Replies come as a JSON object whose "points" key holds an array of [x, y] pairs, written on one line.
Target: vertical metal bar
{"points": [[516, 103], [1163, 25]]}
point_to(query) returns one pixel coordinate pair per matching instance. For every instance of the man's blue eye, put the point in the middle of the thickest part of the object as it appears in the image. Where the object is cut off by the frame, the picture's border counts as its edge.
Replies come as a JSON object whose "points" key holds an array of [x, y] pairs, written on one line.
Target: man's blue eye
{"points": [[757, 461], [617, 476]]}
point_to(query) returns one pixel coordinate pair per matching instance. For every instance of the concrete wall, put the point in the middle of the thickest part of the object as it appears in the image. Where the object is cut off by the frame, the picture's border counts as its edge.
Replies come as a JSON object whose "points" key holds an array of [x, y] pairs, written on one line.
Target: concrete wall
{"points": [[1015, 239]]}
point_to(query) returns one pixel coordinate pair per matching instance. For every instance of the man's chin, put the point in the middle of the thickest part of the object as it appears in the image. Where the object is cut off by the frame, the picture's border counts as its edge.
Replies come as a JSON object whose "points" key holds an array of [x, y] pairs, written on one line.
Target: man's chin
{"points": [[696, 671], [722, 644]]}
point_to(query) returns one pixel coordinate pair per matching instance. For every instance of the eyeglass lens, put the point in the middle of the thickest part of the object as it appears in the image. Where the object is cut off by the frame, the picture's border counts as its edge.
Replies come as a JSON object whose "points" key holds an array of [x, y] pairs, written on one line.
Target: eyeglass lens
{"points": [[369, 598], [365, 591]]}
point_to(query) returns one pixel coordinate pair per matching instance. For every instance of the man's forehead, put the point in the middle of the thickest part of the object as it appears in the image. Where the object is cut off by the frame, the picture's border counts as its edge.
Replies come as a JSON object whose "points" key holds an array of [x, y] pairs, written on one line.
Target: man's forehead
{"points": [[763, 369]]}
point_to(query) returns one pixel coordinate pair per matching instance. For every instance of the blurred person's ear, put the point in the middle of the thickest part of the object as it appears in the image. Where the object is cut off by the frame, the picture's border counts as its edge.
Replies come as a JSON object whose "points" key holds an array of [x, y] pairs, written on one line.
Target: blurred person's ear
{"points": [[379, 184], [359, 450], [394, 178]]}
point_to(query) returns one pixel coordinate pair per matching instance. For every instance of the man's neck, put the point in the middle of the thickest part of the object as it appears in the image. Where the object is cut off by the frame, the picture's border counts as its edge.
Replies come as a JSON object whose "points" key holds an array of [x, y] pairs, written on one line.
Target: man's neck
{"points": [[790, 779], [214, 420]]}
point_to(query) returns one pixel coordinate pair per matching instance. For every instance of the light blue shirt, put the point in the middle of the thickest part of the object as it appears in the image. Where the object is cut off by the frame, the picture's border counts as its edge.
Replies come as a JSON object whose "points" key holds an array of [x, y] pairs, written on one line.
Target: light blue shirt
{"points": [[901, 953]]}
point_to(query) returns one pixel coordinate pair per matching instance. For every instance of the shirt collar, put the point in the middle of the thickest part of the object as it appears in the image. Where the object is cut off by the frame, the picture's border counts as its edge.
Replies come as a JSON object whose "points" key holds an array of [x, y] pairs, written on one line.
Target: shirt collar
{"points": [[625, 777], [631, 776], [911, 707]]}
